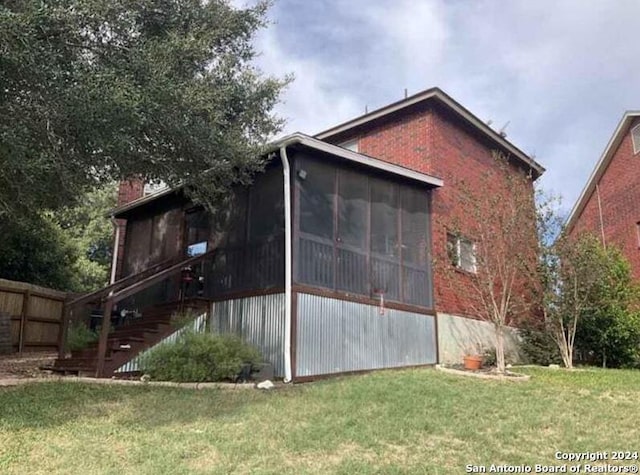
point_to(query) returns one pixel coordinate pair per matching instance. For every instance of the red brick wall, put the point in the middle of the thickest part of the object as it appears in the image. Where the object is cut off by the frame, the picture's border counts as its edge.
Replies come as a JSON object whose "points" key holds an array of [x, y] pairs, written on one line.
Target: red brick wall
{"points": [[431, 141], [127, 192], [408, 141], [620, 200]]}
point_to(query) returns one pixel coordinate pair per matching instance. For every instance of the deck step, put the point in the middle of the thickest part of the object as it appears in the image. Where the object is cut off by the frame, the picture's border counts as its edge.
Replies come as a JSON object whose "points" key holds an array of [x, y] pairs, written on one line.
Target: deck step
{"points": [[126, 342]]}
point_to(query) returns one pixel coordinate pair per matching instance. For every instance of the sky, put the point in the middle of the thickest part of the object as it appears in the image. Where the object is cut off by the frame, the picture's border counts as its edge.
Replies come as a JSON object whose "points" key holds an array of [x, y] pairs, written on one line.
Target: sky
{"points": [[559, 74]]}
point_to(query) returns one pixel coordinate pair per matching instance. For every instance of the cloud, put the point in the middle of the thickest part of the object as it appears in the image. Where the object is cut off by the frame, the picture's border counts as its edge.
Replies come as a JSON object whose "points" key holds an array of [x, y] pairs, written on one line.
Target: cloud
{"points": [[312, 100], [562, 73]]}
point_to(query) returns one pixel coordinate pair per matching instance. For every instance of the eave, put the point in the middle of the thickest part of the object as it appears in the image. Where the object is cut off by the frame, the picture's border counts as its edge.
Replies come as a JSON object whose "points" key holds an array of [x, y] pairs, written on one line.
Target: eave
{"points": [[601, 167], [313, 144], [436, 94]]}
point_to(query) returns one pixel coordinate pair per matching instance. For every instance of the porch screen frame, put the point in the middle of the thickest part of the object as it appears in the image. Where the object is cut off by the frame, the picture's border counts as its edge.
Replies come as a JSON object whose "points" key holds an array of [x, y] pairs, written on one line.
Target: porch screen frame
{"points": [[317, 273]]}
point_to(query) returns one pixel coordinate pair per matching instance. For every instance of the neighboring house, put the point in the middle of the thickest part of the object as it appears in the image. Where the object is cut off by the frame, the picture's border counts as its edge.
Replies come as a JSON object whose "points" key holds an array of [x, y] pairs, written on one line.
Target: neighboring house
{"points": [[365, 209], [608, 205]]}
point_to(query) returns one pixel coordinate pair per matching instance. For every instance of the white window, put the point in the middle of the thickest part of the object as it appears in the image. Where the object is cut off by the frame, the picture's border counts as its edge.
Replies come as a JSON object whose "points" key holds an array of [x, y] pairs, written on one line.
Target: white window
{"points": [[154, 187], [635, 136], [462, 252], [350, 145]]}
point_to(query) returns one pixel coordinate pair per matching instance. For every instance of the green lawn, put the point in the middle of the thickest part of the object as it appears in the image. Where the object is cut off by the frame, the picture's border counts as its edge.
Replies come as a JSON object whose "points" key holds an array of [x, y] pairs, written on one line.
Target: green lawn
{"points": [[410, 421]]}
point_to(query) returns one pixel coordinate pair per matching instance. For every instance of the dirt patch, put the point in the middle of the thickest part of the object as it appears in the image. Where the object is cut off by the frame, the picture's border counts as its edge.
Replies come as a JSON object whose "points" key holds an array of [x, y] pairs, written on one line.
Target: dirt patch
{"points": [[26, 365]]}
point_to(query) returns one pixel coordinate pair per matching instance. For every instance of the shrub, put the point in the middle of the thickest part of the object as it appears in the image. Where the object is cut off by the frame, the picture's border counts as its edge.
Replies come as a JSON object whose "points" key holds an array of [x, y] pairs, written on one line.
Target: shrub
{"points": [[80, 337], [199, 357], [538, 347], [489, 357]]}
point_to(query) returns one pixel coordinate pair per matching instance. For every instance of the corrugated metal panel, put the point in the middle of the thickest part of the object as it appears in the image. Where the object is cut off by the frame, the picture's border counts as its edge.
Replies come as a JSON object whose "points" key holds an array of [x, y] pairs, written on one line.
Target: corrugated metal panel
{"points": [[198, 325], [257, 320], [335, 336]]}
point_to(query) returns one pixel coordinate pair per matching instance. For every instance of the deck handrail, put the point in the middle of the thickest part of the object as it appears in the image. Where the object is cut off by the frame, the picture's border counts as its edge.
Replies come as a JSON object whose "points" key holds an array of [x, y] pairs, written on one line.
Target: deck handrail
{"points": [[118, 284], [116, 292]]}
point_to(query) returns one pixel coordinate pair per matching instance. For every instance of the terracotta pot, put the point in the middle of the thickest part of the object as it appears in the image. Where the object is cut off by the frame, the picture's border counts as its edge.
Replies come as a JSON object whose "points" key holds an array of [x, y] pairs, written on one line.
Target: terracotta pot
{"points": [[472, 362]]}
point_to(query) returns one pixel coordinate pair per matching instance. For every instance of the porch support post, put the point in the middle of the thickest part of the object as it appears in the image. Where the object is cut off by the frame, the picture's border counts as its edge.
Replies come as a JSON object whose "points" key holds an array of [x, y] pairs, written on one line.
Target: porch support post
{"points": [[104, 337]]}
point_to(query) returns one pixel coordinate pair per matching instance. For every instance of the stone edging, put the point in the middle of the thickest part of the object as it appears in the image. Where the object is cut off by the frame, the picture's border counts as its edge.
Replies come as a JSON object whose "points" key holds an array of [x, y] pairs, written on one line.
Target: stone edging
{"points": [[124, 382], [498, 377]]}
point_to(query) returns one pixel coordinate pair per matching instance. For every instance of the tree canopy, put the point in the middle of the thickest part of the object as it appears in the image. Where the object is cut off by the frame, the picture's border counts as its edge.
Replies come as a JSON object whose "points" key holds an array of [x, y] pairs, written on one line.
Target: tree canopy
{"points": [[98, 90], [69, 249]]}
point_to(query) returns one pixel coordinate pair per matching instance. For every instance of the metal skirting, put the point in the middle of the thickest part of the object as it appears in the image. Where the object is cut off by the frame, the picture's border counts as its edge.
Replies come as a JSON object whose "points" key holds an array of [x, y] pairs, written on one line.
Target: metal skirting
{"points": [[198, 325], [336, 336], [257, 320]]}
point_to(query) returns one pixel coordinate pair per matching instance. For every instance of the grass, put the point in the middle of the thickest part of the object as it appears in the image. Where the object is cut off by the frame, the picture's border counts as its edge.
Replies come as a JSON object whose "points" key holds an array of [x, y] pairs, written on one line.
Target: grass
{"points": [[410, 421]]}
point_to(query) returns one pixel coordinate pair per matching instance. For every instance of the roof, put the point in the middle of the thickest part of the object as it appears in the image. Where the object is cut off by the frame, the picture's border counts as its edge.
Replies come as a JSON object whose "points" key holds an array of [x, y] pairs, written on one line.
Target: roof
{"points": [[359, 158], [314, 144], [601, 166], [131, 205], [436, 94]]}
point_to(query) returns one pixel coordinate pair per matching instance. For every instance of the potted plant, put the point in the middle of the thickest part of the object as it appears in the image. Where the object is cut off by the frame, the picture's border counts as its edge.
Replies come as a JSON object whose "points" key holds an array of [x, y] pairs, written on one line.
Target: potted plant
{"points": [[473, 357]]}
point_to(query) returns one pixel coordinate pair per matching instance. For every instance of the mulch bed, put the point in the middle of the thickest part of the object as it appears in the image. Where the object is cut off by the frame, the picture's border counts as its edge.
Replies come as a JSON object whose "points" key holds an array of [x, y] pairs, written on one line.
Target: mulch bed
{"points": [[484, 373]]}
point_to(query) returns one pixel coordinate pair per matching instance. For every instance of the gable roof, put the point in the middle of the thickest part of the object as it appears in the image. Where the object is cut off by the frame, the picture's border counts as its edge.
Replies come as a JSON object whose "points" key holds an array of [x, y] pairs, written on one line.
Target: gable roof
{"points": [[438, 95], [601, 166], [300, 139]]}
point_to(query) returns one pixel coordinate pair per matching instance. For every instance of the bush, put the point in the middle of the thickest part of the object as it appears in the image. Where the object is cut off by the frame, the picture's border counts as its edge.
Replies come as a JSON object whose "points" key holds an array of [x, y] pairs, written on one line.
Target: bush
{"points": [[608, 331], [199, 357], [79, 337], [538, 347], [489, 357]]}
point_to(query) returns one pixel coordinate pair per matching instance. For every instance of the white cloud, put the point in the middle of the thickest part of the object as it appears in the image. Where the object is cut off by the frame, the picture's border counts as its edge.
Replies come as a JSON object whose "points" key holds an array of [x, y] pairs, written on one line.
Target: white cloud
{"points": [[310, 102], [561, 72]]}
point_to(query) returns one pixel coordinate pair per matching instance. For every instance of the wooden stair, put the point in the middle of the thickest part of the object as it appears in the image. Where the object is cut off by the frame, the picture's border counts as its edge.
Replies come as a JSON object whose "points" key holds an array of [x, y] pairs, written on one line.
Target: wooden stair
{"points": [[127, 341]]}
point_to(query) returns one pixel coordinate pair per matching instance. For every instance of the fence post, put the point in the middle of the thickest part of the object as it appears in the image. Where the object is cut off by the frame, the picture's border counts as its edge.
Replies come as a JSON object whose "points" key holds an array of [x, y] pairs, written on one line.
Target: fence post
{"points": [[62, 332], [26, 297], [5, 333]]}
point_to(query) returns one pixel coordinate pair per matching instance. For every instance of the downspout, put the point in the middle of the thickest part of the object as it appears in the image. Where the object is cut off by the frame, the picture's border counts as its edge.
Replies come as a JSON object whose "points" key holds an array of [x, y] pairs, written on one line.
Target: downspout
{"points": [[604, 244], [287, 263], [116, 244]]}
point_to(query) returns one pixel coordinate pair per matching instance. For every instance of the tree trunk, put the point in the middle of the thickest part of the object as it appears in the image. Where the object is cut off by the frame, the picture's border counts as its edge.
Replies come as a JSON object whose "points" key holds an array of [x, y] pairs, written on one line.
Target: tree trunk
{"points": [[564, 347], [500, 365]]}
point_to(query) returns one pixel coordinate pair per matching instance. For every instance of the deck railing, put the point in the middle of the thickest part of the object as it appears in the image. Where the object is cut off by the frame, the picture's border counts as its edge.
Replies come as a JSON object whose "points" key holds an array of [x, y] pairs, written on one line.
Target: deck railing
{"points": [[109, 296]]}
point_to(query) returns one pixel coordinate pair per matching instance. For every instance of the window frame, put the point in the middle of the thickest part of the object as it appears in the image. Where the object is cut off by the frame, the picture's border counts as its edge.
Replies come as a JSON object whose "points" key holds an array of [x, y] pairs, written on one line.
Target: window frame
{"points": [[455, 258], [635, 138]]}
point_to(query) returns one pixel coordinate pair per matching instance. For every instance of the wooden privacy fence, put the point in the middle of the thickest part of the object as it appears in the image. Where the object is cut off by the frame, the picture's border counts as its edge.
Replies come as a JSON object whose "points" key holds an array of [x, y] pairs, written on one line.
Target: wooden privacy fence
{"points": [[35, 313]]}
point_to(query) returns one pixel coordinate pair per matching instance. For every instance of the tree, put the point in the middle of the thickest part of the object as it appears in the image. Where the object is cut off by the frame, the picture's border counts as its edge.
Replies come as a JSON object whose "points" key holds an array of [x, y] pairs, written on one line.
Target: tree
{"points": [[569, 273], [89, 231], [69, 249], [34, 249], [93, 91], [609, 329], [499, 220], [588, 301]]}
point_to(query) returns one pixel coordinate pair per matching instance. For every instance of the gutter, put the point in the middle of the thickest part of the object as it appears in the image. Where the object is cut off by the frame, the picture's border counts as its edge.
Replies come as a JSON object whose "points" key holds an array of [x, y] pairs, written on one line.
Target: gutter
{"points": [[116, 246], [287, 263]]}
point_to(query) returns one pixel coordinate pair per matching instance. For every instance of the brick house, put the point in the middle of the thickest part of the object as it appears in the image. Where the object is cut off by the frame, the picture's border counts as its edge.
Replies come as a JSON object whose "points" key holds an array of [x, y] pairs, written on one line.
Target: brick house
{"points": [[608, 204], [337, 273]]}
